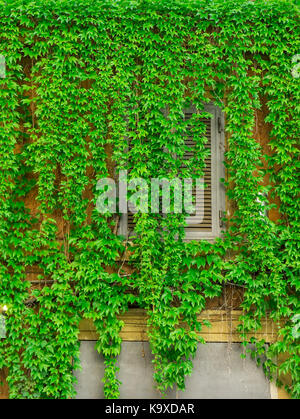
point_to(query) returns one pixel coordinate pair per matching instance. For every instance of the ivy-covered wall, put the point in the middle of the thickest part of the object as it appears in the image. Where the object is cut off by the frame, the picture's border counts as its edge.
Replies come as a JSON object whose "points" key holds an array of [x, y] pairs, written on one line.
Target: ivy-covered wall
{"points": [[74, 70]]}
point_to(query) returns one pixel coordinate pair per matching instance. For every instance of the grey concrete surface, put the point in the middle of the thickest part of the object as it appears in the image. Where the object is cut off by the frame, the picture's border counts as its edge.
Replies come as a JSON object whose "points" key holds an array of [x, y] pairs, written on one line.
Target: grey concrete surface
{"points": [[89, 385], [219, 372]]}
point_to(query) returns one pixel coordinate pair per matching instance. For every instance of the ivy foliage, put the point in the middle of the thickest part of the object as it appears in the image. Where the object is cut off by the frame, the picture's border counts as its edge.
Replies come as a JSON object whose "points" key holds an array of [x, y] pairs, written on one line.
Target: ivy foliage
{"points": [[84, 77]]}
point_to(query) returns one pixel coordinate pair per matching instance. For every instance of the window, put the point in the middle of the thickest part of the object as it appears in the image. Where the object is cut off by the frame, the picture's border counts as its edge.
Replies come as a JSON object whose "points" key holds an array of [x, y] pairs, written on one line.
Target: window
{"points": [[213, 205]]}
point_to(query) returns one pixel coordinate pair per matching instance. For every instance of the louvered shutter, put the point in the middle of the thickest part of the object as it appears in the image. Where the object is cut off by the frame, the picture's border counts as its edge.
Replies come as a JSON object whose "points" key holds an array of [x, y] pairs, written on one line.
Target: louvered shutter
{"points": [[130, 215], [213, 204], [203, 201]]}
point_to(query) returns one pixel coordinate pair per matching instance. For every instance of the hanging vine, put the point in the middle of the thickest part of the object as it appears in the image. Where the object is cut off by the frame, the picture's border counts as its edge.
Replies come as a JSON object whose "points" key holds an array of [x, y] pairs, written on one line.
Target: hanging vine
{"points": [[83, 80]]}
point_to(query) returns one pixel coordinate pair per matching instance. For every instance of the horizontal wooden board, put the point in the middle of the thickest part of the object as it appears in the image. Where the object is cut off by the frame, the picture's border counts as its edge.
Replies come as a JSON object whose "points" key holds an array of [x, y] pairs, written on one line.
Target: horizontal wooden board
{"points": [[223, 327]]}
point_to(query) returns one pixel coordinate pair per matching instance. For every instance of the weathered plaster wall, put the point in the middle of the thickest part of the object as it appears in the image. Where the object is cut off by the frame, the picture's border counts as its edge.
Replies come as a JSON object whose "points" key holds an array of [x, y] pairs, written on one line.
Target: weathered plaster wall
{"points": [[219, 373]]}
